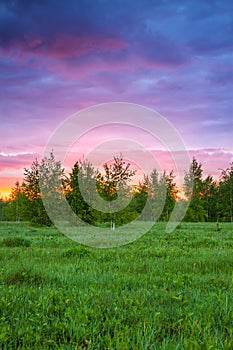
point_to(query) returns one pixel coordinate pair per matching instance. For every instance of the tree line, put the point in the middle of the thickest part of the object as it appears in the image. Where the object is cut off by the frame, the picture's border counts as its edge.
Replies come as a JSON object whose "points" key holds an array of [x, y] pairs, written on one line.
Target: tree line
{"points": [[210, 200]]}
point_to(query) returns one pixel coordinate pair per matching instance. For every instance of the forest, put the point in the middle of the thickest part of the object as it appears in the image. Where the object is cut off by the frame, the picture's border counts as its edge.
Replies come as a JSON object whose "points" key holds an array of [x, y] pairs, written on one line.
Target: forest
{"points": [[210, 200]]}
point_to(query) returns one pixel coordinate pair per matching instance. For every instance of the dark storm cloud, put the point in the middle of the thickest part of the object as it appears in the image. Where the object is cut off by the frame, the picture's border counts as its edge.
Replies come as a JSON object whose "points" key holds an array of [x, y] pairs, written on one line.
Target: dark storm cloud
{"points": [[160, 32], [36, 24]]}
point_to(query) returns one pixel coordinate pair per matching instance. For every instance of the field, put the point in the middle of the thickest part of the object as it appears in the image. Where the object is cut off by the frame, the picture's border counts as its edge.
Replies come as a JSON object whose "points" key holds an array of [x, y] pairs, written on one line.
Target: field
{"points": [[163, 291]]}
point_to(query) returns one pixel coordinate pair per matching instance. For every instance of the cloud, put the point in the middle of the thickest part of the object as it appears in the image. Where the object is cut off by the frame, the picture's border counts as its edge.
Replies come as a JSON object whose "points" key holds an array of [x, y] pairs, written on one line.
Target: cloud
{"points": [[14, 163], [213, 161], [153, 36], [82, 30], [57, 57], [214, 122]]}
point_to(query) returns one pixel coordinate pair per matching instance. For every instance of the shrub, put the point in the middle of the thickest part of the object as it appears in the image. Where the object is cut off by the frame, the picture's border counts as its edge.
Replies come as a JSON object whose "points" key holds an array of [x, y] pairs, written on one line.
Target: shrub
{"points": [[79, 252], [15, 242], [24, 276]]}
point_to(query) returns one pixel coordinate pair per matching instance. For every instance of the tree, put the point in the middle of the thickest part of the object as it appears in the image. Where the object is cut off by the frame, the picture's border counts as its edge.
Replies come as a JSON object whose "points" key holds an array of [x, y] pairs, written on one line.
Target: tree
{"points": [[225, 202], [88, 191], [26, 200], [3, 209], [141, 197], [158, 193], [51, 177], [33, 207], [16, 207], [115, 178], [210, 197], [154, 195], [167, 181], [79, 185], [193, 188]]}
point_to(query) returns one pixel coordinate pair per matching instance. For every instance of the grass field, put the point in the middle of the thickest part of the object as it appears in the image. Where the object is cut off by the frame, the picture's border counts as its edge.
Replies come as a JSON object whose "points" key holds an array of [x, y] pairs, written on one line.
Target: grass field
{"points": [[163, 291]]}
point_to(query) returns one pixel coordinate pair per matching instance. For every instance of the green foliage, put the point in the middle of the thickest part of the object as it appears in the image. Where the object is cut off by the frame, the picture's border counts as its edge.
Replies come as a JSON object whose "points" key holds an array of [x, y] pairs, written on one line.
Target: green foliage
{"points": [[77, 252], [3, 210], [26, 199], [164, 291], [15, 242], [193, 187], [167, 183], [225, 197], [90, 192], [210, 198], [210, 201], [116, 177], [159, 191], [23, 276], [84, 182], [84, 174]]}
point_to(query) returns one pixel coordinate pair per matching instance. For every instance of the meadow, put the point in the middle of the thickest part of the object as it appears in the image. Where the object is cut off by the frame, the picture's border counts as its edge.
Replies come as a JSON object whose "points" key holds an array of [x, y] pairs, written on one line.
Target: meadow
{"points": [[163, 291]]}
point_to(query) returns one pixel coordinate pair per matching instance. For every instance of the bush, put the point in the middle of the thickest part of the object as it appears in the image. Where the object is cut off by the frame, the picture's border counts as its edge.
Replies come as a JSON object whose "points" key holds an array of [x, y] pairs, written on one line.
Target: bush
{"points": [[24, 276], [15, 242], [79, 252]]}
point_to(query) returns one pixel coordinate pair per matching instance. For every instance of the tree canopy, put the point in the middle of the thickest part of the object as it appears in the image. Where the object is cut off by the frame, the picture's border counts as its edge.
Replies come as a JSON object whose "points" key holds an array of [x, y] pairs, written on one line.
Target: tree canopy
{"points": [[108, 197]]}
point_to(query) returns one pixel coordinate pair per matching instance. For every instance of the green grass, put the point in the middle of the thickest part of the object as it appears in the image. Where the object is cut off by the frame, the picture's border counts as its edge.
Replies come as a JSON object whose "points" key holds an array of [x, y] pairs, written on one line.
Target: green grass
{"points": [[163, 291]]}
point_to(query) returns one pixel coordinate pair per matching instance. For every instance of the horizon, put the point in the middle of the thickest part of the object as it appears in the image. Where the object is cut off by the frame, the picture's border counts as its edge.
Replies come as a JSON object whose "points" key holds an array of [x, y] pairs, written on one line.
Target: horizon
{"points": [[139, 175]]}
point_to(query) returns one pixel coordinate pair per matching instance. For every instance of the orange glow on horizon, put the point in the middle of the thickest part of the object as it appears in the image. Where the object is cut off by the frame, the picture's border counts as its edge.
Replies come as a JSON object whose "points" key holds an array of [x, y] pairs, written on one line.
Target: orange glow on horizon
{"points": [[5, 192], [6, 185], [181, 195]]}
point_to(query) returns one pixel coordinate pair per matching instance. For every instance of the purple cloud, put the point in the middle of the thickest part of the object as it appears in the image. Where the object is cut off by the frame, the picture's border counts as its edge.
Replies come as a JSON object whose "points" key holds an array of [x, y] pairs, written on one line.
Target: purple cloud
{"points": [[58, 57]]}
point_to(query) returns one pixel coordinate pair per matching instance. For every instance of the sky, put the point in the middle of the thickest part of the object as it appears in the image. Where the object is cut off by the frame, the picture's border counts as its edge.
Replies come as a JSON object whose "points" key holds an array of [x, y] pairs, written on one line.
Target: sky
{"points": [[58, 57]]}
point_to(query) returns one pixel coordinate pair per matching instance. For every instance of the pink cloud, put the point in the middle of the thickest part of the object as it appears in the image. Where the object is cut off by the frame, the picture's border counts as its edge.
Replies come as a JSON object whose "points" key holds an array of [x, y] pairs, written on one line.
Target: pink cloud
{"points": [[14, 163], [213, 160], [73, 46], [64, 46]]}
